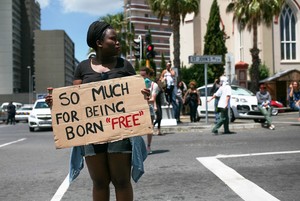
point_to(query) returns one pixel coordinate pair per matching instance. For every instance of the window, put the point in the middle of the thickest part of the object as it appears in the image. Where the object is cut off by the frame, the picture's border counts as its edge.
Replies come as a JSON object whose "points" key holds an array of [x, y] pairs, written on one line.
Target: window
{"points": [[288, 34]]}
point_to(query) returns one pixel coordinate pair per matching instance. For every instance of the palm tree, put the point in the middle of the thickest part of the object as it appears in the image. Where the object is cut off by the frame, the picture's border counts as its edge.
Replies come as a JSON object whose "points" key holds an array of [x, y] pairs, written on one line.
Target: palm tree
{"points": [[118, 22], [174, 9], [250, 14]]}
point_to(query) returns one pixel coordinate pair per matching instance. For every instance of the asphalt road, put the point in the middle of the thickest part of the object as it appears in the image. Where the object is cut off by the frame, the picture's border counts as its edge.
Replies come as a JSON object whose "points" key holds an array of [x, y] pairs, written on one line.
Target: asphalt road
{"points": [[254, 164]]}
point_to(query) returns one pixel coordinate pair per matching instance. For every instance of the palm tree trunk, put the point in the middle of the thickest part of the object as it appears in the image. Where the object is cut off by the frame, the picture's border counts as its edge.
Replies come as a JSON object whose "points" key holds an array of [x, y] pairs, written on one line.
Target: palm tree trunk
{"points": [[176, 44], [255, 61]]}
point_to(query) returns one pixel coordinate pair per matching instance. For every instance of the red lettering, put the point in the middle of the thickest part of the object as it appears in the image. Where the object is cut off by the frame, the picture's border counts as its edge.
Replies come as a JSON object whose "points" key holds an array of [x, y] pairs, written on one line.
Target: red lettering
{"points": [[135, 120], [127, 121]]}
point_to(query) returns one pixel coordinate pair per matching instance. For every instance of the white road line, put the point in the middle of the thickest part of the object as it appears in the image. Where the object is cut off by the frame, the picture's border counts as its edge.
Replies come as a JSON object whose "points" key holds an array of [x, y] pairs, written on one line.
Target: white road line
{"points": [[61, 190], [243, 187], [9, 143], [257, 154]]}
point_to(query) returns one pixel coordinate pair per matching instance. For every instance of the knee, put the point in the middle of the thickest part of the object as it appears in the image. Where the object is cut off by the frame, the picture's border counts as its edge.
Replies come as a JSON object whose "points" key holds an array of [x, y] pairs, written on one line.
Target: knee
{"points": [[101, 183], [121, 183]]}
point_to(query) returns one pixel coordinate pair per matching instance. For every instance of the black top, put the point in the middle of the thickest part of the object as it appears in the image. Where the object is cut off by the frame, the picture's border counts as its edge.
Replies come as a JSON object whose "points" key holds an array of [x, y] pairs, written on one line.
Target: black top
{"points": [[85, 72]]}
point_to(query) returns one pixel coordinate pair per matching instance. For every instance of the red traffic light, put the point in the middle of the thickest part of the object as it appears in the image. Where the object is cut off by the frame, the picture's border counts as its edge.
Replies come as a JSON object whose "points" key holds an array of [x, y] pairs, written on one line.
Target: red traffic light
{"points": [[149, 48]]}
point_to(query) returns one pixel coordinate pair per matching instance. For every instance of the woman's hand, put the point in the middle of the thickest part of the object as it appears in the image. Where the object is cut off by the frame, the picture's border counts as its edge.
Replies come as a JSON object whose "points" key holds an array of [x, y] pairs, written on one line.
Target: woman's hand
{"points": [[48, 98], [146, 93]]}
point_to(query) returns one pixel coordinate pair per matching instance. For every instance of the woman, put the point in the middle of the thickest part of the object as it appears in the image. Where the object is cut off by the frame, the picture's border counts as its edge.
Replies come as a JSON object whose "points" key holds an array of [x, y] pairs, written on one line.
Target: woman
{"points": [[192, 96], [110, 162], [168, 76]]}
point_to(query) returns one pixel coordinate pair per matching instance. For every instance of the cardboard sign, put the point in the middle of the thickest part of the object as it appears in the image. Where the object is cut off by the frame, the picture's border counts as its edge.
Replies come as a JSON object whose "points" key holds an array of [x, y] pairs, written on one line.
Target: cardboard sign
{"points": [[100, 112]]}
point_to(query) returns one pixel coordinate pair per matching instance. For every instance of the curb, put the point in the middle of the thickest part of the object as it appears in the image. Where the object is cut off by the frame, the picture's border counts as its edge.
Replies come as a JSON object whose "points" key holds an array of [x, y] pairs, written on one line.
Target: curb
{"points": [[193, 127]]}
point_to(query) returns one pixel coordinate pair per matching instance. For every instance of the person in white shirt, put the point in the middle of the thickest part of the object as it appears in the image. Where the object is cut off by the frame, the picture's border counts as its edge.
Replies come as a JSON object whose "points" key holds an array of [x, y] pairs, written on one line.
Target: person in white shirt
{"points": [[154, 90], [224, 92]]}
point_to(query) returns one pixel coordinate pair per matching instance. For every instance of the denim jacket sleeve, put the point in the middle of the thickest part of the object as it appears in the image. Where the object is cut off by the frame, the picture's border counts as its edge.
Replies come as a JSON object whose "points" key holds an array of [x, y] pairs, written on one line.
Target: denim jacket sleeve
{"points": [[139, 155], [76, 162]]}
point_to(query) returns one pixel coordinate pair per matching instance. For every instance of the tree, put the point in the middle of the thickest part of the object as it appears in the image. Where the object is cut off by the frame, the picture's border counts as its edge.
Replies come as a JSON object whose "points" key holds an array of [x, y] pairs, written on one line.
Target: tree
{"points": [[250, 14], [118, 22], [174, 9], [214, 41]]}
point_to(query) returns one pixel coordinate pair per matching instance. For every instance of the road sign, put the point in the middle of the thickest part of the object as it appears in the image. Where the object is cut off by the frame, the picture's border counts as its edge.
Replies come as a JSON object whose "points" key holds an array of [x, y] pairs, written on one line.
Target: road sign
{"points": [[206, 59]]}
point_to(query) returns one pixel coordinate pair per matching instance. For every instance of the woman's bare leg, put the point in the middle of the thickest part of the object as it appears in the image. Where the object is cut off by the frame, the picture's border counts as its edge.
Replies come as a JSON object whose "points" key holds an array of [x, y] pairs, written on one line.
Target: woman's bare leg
{"points": [[120, 171], [99, 173]]}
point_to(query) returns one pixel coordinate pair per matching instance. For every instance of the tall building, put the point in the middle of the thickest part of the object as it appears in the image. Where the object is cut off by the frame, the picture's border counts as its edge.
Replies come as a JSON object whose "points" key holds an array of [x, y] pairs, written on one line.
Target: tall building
{"points": [[139, 14], [54, 59], [18, 19]]}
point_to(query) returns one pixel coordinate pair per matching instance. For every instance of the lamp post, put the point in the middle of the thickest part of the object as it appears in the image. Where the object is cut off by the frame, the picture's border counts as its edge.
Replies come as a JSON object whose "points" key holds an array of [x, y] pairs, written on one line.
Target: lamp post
{"points": [[129, 16], [29, 84]]}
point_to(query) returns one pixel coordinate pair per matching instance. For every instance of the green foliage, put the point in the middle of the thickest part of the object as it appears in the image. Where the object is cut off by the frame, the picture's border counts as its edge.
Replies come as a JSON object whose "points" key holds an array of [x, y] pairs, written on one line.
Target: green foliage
{"points": [[264, 71], [194, 73], [214, 40], [176, 11], [136, 65]]}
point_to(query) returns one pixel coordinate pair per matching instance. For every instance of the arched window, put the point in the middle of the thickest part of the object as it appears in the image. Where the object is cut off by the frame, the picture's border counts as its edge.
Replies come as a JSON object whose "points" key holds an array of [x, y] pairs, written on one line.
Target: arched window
{"points": [[288, 34]]}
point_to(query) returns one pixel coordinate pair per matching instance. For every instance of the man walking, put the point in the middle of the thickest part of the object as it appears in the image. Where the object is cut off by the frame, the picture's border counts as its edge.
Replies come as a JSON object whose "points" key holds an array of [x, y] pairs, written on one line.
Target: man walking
{"points": [[224, 92], [11, 112]]}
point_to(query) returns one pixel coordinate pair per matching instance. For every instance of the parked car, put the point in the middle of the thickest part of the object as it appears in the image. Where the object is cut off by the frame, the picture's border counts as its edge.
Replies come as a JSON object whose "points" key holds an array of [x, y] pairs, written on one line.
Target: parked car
{"points": [[3, 110], [40, 116], [276, 105], [23, 113], [243, 104]]}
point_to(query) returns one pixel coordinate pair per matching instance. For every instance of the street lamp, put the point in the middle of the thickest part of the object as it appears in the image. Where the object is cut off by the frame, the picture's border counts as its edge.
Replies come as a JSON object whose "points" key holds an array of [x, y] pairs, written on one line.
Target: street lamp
{"points": [[29, 84], [129, 16]]}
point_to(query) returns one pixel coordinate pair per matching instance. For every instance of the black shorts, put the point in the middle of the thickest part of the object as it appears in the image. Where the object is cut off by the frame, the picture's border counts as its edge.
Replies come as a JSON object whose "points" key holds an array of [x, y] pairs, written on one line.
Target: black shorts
{"points": [[122, 146]]}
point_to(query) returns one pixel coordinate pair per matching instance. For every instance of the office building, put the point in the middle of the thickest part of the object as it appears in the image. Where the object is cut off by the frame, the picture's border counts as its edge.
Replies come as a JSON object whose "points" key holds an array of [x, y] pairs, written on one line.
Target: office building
{"points": [[18, 19], [54, 60], [139, 14]]}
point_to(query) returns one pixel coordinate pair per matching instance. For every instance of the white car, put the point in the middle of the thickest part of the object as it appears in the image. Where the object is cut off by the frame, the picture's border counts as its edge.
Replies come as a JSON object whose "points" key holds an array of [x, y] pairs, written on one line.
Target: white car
{"points": [[40, 116], [243, 104], [23, 113]]}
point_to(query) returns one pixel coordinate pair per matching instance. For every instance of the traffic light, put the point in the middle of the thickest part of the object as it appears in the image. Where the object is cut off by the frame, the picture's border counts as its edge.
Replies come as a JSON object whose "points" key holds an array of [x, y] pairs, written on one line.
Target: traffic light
{"points": [[138, 47], [150, 51]]}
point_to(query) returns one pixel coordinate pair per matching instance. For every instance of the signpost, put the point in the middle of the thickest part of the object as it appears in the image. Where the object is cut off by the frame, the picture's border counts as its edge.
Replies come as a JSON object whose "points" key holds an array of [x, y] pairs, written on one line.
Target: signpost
{"points": [[206, 59]]}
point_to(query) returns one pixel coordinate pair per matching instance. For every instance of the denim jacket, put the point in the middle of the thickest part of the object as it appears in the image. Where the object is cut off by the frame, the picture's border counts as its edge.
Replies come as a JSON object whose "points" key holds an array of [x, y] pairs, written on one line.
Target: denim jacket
{"points": [[139, 154]]}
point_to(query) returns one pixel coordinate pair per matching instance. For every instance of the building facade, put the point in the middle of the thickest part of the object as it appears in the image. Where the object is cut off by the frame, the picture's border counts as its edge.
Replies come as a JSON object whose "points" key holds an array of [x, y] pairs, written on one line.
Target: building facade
{"points": [[18, 19], [139, 14], [54, 60], [279, 44]]}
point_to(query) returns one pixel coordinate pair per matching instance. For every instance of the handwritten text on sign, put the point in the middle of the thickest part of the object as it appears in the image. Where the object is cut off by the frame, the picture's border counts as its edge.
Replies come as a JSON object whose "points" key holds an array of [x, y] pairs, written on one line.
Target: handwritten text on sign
{"points": [[100, 112]]}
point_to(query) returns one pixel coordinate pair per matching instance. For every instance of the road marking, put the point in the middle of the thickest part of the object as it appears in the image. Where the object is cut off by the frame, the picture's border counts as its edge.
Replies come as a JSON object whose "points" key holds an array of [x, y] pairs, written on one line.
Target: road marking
{"points": [[61, 190], [9, 143], [257, 154], [243, 187]]}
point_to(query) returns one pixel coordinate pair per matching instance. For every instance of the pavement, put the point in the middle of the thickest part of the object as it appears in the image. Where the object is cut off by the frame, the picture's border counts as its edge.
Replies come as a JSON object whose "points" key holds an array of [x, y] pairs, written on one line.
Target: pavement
{"points": [[187, 126]]}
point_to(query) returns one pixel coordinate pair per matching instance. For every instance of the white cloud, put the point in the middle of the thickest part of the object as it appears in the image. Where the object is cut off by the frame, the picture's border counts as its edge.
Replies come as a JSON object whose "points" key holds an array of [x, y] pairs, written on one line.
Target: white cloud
{"points": [[43, 3], [92, 7]]}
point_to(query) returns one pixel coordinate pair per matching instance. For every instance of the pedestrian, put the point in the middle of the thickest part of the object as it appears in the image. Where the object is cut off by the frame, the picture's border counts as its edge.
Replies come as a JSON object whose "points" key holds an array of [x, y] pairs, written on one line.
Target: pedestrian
{"points": [[179, 99], [168, 77], [160, 99], [109, 162], [11, 113], [264, 101], [154, 90], [294, 96], [224, 92], [192, 98], [214, 89]]}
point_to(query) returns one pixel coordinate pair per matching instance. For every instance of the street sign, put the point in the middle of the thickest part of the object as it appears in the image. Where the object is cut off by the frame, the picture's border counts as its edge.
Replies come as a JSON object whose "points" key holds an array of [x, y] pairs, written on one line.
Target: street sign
{"points": [[206, 59]]}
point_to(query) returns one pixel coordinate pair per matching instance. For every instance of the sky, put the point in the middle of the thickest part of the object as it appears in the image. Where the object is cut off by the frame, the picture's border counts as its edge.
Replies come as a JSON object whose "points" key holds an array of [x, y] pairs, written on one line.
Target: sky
{"points": [[75, 16]]}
